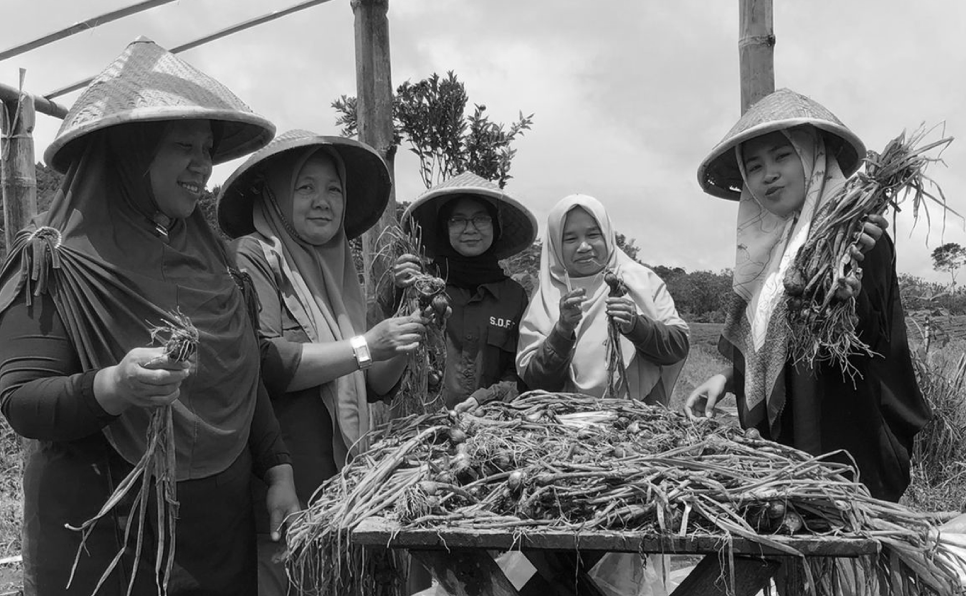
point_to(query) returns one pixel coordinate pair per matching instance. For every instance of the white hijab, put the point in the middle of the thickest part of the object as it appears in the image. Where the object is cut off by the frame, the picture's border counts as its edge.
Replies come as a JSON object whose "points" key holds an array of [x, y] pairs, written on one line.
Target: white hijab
{"points": [[588, 368]]}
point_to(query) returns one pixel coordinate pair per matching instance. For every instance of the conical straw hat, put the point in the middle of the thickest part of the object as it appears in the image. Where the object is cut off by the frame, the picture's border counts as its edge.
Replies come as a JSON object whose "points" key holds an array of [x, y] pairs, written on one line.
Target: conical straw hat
{"points": [[146, 82], [719, 175], [518, 226], [367, 183]]}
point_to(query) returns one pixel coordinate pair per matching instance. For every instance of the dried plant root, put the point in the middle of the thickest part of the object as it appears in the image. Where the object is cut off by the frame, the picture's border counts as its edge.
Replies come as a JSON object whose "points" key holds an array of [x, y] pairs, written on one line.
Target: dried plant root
{"points": [[555, 461], [421, 384], [156, 471], [822, 327]]}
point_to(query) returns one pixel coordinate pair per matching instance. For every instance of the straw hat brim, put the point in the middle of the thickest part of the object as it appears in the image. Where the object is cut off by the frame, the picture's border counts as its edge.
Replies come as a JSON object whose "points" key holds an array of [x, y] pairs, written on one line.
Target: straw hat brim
{"points": [[518, 226], [367, 185], [719, 174], [148, 83], [241, 133]]}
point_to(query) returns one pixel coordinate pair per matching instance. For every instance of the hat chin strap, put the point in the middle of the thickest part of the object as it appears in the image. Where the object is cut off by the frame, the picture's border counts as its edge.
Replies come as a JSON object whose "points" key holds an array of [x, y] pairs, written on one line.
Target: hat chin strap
{"points": [[281, 216]]}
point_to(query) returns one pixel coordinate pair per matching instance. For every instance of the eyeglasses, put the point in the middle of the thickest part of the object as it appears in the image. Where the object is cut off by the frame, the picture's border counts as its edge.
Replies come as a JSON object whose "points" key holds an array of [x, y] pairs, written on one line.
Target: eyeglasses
{"points": [[480, 222]]}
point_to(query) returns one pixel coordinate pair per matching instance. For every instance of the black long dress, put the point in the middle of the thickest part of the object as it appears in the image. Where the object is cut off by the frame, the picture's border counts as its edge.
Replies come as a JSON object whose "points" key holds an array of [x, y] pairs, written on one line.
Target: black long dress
{"points": [[874, 417]]}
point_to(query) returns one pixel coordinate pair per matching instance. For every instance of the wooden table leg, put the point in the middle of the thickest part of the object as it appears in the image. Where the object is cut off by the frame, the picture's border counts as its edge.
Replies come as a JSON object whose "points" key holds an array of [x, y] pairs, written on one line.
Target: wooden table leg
{"points": [[707, 579], [466, 572], [564, 573]]}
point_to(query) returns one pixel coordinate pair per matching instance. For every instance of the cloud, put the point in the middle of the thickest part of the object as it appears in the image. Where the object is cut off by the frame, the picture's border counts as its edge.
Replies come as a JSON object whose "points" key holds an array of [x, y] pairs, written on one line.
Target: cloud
{"points": [[628, 96]]}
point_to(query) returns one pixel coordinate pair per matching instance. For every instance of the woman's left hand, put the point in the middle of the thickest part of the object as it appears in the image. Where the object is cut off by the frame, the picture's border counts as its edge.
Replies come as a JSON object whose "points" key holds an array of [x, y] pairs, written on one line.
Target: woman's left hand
{"points": [[872, 230], [281, 499], [851, 285], [623, 311]]}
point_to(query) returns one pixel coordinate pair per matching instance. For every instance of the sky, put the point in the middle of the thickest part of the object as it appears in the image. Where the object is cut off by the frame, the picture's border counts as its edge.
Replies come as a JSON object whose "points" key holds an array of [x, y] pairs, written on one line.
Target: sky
{"points": [[628, 96]]}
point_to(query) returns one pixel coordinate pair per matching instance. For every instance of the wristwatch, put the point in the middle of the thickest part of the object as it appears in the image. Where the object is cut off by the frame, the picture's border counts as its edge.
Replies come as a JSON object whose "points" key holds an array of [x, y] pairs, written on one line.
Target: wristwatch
{"points": [[361, 350]]}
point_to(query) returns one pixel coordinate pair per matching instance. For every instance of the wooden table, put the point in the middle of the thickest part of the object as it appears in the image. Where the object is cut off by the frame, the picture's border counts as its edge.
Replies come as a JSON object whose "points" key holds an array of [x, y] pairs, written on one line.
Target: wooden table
{"points": [[462, 563]]}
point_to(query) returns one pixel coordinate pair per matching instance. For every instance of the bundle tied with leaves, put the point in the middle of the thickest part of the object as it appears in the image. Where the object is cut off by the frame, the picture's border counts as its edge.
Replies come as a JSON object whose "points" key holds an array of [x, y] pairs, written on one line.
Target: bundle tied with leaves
{"points": [[421, 383], [156, 471], [551, 462], [823, 328]]}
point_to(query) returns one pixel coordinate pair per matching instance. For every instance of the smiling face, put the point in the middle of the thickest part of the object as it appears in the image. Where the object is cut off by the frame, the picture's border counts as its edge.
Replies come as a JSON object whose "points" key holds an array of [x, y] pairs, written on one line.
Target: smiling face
{"points": [[181, 167], [318, 202], [583, 245], [470, 227], [774, 173]]}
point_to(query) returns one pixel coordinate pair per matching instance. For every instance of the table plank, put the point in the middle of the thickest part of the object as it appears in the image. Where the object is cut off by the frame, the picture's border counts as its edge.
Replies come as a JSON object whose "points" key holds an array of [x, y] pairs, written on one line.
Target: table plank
{"points": [[383, 532]]}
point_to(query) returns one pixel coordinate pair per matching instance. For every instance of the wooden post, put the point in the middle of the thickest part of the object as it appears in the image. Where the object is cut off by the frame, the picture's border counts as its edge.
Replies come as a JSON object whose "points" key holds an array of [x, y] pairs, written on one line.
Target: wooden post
{"points": [[19, 180], [374, 118], [756, 54]]}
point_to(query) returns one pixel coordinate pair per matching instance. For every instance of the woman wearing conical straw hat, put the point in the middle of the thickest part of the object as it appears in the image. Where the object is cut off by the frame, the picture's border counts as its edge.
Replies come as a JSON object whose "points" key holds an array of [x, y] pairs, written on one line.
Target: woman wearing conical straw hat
{"points": [[783, 161], [467, 224], [123, 253], [293, 207]]}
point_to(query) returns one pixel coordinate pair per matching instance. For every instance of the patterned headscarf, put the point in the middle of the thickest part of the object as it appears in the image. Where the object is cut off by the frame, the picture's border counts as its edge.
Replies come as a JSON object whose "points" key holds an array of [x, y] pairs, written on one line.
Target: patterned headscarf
{"points": [[766, 247]]}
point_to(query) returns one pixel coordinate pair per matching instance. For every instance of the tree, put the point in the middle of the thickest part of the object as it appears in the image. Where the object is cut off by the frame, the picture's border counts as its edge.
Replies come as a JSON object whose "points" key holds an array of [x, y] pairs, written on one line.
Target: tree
{"points": [[949, 258], [430, 116], [627, 245]]}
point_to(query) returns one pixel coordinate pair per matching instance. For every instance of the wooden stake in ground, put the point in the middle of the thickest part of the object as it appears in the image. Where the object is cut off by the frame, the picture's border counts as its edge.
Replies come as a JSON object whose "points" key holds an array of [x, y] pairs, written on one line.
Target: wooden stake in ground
{"points": [[17, 171], [756, 54], [374, 118]]}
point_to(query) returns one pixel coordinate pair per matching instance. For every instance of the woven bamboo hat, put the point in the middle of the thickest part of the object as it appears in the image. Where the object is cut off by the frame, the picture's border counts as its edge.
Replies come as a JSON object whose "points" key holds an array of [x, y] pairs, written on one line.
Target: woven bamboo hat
{"points": [[719, 175], [367, 183], [518, 227], [147, 82]]}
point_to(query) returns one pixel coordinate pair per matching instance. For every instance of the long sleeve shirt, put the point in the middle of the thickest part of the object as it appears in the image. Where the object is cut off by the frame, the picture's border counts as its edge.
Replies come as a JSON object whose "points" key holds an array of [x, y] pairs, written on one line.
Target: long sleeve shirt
{"points": [[45, 395], [549, 369]]}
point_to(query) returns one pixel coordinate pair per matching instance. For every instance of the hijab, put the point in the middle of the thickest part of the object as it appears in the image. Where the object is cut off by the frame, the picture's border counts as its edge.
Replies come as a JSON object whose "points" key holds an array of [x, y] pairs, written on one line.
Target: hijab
{"points": [[459, 270], [320, 288], [766, 248], [115, 268], [588, 370]]}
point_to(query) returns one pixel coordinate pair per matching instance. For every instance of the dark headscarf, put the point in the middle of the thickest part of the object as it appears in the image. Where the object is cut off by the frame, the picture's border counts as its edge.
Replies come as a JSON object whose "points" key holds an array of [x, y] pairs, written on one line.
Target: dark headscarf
{"points": [[113, 276], [462, 271]]}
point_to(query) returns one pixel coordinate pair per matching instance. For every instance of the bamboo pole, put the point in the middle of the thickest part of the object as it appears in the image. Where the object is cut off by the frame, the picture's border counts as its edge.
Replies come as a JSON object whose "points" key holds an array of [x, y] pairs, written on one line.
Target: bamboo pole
{"points": [[756, 54], [41, 104], [17, 176], [374, 118], [82, 26], [203, 40]]}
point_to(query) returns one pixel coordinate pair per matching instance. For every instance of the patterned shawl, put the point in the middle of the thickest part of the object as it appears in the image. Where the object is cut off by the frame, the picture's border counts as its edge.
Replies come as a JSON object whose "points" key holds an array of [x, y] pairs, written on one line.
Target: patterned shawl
{"points": [[766, 247]]}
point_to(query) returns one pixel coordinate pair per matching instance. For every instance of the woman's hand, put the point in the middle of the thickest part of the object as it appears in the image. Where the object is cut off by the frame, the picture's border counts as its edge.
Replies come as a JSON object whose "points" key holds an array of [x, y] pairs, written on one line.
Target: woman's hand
{"points": [[571, 311], [405, 270], [281, 499], [850, 285], [872, 230], [701, 402], [623, 311], [144, 378], [395, 336], [467, 405]]}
